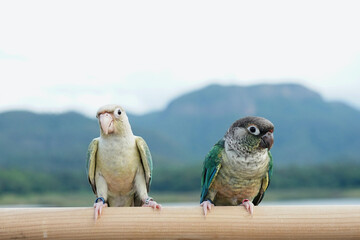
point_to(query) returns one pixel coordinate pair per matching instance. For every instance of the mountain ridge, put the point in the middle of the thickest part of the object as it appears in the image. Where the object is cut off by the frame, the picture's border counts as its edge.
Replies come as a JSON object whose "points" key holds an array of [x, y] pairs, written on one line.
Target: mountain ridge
{"points": [[308, 129]]}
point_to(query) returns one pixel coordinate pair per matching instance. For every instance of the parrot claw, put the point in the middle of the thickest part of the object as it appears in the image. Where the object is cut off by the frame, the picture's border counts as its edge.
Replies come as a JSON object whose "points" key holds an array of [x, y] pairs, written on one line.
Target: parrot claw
{"points": [[249, 206], [207, 205], [98, 209], [153, 204]]}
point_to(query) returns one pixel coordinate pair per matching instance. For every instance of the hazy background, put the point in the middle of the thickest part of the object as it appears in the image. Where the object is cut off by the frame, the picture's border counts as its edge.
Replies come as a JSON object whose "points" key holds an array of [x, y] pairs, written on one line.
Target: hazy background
{"points": [[160, 59]]}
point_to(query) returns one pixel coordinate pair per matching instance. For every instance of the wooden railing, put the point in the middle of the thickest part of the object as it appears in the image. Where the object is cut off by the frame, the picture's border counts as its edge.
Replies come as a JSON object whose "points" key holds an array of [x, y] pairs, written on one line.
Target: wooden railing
{"points": [[268, 222]]}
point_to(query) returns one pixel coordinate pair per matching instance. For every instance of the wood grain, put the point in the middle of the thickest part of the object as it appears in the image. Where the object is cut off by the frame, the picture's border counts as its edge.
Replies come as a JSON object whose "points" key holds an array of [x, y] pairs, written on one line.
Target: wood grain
{"points": [[270, 222]]}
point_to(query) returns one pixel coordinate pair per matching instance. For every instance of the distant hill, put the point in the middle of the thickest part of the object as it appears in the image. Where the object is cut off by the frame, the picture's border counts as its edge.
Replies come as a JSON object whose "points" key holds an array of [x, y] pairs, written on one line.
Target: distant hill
{"points": [[49, 142], [307, 129]]}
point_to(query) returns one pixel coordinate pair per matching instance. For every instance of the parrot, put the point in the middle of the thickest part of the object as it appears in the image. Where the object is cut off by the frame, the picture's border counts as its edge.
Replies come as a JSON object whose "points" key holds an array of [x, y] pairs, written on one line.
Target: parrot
{"points": [[119, 164], [237, 170]]}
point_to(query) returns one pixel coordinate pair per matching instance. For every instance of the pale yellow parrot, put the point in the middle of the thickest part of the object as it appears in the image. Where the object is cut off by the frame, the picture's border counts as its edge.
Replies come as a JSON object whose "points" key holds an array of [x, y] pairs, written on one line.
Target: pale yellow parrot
{"points": [[119, 164]]}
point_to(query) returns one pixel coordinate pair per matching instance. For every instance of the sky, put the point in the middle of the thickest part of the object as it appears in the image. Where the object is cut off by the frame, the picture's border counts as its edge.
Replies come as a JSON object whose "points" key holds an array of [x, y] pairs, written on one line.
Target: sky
{"points": [[58, 56]]}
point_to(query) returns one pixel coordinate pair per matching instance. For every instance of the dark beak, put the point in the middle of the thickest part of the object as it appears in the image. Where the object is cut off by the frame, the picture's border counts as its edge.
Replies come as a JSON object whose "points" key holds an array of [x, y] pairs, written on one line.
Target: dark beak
{"points": [[267, 140]]}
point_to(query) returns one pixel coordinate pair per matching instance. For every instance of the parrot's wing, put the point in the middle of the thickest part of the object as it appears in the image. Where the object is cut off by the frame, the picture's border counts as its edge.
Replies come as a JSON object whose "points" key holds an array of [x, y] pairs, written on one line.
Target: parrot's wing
{"points": [[212, 165], [146, 160], [91, 162], [265, 183]]}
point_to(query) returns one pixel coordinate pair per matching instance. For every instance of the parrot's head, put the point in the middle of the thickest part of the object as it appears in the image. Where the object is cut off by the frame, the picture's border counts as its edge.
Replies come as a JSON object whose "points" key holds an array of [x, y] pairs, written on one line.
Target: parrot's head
{"points": [[251, 134], [113, 120]]}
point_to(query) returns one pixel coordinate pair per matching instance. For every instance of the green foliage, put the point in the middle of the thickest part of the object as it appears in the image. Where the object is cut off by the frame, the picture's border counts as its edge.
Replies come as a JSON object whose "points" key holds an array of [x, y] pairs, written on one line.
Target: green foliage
{"points": [[182, 178], [54, 199], [30, 181], [185, 179], [327, 176]]}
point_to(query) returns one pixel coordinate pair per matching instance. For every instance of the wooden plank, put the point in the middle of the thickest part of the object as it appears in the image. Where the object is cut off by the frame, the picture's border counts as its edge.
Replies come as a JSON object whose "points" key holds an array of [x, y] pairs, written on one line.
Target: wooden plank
{"points": [[270, 222]]}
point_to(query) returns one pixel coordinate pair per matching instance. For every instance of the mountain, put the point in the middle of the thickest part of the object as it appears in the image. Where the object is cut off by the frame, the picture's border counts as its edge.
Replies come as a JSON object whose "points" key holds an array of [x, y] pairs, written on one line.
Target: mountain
{"points": [[47, 142], [307, 129]]}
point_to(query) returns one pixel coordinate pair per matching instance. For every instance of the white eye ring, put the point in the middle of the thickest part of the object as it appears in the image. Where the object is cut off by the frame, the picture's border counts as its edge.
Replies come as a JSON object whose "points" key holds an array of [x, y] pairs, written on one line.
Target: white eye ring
{"points": [[253, 130], [117, 112]]}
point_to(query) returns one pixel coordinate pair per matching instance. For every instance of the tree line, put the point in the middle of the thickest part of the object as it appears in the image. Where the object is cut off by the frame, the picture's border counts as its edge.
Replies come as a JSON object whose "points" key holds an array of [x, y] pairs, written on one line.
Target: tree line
{"points": [[184, 178]]}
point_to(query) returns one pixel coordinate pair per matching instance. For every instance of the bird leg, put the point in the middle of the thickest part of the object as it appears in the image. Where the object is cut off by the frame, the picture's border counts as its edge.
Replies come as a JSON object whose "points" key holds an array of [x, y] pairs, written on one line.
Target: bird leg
{"points": [[98, 208], [149, 202], [249, 206], [206, 206]]}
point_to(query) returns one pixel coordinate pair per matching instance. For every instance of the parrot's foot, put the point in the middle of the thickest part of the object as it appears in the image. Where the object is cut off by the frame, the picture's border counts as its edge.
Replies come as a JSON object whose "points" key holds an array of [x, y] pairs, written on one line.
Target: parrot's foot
{"points": [[207, 205], [149, 202], [249, 206], [98, 208]]}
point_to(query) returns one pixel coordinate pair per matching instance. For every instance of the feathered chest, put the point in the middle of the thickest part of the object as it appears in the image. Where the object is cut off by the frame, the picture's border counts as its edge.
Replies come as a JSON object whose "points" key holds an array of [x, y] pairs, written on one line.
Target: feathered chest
{"points": [[119, 150], [118, 159], [240, 177], [250, 166]]}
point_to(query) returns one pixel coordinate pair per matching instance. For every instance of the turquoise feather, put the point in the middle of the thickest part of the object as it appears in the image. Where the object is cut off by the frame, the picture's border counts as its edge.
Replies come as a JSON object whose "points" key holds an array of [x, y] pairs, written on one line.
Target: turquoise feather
{"points": [[212, 165]]}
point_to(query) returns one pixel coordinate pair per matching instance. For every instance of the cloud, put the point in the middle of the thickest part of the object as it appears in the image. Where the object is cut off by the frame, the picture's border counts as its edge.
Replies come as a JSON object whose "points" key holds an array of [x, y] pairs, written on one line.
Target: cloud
{"points": [[60, 55]]}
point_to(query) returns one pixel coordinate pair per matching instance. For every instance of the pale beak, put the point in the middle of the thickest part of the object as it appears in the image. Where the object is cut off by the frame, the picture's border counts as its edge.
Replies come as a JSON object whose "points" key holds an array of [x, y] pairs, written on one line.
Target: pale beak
{"points": [[106, 123]]}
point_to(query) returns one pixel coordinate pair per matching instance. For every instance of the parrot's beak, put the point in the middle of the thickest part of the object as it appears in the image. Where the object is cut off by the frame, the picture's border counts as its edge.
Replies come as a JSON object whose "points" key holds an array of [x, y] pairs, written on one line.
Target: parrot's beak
{"points": [[267, 140], [106, 123]]}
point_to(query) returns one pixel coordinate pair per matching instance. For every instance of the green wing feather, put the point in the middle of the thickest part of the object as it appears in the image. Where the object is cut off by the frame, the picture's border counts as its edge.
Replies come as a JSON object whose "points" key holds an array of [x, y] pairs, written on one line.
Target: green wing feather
{"points": [[265, 182], [145, 159], [212, 165], [91, 162]]}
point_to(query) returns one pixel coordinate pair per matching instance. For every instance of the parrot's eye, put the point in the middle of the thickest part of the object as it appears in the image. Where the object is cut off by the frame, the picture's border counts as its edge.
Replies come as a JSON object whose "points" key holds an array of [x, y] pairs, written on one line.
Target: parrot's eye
{"points": [[117, 112], [254, 130]]}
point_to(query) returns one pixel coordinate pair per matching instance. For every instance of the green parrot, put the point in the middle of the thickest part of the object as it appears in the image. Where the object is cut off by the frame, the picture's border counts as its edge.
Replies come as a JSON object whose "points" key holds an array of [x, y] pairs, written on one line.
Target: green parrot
{"points": [[238, 168], [119, 164]]}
